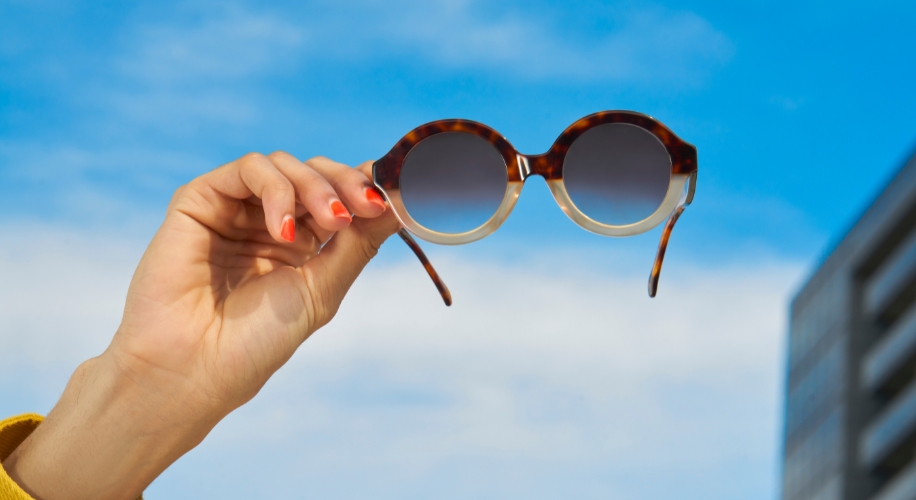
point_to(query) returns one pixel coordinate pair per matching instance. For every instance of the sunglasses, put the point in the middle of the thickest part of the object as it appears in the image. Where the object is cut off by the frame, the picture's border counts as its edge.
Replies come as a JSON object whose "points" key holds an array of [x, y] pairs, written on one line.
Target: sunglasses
{"points": [[614, 173]]}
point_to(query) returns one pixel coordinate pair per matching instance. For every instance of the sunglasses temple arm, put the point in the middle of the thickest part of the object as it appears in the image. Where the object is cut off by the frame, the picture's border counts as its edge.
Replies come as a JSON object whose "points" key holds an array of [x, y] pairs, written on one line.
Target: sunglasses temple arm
{"points": [[666, 234], [440, 285], [662, 246]]}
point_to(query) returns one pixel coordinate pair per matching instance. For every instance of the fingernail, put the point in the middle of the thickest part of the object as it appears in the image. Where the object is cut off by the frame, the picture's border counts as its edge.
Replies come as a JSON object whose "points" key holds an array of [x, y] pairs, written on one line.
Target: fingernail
{"points": [[375, 198], [339, 210], [288, 229]]}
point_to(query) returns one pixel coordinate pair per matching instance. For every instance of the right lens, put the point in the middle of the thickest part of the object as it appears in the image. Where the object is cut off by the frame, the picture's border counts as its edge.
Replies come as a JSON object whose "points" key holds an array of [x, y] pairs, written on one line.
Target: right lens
{"points": [[617, 173], [453, 182]]}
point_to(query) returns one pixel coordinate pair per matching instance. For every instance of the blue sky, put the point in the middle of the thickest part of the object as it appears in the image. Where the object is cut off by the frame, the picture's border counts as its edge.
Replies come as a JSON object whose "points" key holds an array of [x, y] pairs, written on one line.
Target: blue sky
{"points": [[800, 113]]}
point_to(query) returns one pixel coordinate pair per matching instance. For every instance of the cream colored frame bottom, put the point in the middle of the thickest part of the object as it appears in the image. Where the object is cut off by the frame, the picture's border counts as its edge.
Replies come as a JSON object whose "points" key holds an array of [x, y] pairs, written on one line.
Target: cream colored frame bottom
{"points": [[680, 193]]}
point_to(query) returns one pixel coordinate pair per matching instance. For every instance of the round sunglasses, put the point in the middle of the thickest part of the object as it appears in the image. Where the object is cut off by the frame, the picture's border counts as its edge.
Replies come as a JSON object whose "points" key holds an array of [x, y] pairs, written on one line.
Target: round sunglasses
{"points": [[615, 173]]}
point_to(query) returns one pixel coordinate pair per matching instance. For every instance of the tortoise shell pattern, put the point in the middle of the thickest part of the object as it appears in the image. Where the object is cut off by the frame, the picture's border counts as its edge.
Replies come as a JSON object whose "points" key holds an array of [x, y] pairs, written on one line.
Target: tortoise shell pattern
{"points": [[550, 164], [662, 247], [440, 285]]}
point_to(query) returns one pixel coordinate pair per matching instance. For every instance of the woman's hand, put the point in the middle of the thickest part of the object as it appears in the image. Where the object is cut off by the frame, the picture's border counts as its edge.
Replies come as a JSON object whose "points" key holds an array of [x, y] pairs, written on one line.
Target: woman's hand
{"points": [[251, 259], [222, 298]]}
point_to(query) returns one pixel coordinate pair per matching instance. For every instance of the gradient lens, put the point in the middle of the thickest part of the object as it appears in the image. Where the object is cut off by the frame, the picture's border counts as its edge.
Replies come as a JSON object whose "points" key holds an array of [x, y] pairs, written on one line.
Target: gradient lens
{"points": [[453, 182], [617, 173]]}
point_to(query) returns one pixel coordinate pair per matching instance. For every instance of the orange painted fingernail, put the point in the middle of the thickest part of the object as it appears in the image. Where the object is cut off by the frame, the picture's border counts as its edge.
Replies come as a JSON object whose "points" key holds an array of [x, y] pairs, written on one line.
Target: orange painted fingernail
{"points": [[339, 210], [375, 198], [288, 229]]}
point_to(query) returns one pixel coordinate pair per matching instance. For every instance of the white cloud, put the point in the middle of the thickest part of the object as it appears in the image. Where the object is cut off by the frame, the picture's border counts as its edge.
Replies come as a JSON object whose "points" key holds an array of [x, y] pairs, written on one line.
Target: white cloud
{"points": [[639, 45], [642, 45], [226, 43], [62, 290], [204, 72], [179, 75], [532, 371], [535, 384], [60, 303], [36, 162]]}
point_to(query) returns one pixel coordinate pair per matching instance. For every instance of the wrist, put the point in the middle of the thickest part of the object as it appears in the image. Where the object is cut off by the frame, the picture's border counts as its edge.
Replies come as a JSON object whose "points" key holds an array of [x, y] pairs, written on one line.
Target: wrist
{"points": [[108, 437]]}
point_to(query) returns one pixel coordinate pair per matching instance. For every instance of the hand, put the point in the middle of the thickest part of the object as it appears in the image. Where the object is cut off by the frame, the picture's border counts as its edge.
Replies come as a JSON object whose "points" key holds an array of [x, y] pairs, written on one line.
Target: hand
{"points": [[220, 300]]}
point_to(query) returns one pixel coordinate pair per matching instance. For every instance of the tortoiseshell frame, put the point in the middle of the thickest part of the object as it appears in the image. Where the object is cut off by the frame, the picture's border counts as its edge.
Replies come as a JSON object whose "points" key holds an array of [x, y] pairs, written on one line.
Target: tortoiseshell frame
{"points": [[386, 176]]}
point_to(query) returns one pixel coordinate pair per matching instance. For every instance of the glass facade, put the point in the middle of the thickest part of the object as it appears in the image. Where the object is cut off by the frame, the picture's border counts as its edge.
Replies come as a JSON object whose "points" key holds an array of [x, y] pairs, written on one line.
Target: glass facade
{"points": [[814, 462], [850, 421], [889, 428], [814, 409], [891, 353]]}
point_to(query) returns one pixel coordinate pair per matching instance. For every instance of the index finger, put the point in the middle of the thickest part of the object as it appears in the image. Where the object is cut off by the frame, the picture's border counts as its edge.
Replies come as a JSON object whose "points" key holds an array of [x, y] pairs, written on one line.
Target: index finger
{"points": [[255, 175]]}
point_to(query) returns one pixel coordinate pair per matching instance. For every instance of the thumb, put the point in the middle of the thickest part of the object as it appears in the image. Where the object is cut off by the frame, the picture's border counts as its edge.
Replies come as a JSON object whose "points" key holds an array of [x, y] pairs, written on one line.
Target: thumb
{"points": [[330, 274]]}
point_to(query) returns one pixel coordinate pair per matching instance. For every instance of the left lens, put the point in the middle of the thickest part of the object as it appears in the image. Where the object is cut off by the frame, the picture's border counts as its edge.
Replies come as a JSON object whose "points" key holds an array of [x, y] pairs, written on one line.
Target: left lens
{"points": [[453, 182], [617, 173]]}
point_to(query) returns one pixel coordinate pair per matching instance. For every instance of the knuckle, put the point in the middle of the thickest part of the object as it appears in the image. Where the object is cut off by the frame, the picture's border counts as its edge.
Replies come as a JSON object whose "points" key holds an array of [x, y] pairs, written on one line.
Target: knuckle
{"points": [[365, 168], [356, 177], [320, 163], [280, 155], [252, 157], [196, 183], [280, 187], [370, 250], [368, 245], [179, 192], [177, 196]]}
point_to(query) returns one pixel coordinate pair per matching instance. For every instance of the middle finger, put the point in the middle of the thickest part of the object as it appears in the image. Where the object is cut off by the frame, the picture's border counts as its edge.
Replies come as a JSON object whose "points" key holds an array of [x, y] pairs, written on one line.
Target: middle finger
{"points": [[315, 193]]}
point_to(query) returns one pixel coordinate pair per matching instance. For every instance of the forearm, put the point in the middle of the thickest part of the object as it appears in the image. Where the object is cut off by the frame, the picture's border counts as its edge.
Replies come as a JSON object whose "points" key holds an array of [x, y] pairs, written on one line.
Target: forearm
{"points": [[107, 438]]}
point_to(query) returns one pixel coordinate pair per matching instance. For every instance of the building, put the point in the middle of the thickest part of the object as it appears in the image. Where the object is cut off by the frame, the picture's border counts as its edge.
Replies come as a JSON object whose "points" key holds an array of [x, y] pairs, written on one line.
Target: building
{"points": [[850, 428]]}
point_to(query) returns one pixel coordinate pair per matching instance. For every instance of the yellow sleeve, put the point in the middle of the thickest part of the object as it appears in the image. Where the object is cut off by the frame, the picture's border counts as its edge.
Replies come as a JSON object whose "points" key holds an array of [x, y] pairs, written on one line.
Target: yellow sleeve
{"points": [[13, 431]]}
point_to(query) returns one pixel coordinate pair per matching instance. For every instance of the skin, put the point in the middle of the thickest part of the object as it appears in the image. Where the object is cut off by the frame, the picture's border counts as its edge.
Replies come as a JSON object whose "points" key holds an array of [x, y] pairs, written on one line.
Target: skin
{"points": [[218, 303]]}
